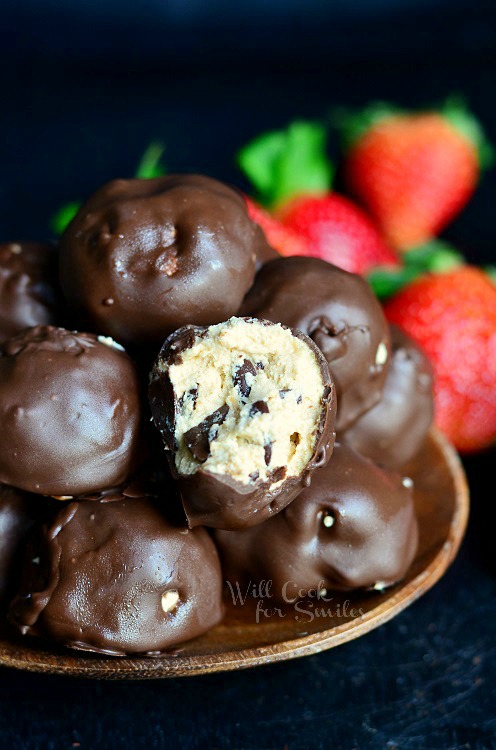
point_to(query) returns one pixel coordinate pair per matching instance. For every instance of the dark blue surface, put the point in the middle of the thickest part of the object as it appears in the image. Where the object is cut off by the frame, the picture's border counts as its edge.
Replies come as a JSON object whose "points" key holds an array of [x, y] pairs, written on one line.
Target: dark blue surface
{"points": [[78, 110], [205, 32]]}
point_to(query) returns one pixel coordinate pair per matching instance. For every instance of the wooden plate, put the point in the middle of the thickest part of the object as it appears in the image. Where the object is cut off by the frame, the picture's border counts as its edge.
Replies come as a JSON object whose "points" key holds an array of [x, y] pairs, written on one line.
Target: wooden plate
{"points": [[442, 503]]}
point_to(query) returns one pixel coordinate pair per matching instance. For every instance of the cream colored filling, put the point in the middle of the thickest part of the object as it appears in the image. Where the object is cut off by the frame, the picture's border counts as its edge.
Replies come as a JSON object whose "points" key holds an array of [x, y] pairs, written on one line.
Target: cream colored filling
{"points": [[255, 439]]}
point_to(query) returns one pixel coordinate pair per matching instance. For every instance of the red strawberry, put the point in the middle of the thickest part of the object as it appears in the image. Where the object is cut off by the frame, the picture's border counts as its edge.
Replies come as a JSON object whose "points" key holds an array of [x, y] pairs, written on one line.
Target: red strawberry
{"points": [[337, 231], [453, 317], [414, 171], [282, 239], [292, 175]]}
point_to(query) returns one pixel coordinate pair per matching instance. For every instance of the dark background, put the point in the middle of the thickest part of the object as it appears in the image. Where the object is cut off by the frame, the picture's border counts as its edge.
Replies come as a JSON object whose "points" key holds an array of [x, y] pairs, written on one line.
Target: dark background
{"points": [[84, 87]]}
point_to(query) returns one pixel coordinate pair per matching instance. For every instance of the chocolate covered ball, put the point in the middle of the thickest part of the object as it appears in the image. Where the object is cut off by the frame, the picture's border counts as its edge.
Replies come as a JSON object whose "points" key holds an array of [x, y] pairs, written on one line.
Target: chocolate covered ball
{"points": [[114, 576], [69, 411], [246, 409], [354, 527], [28, 295], [144, 257], [339, 311], [393, 431]]}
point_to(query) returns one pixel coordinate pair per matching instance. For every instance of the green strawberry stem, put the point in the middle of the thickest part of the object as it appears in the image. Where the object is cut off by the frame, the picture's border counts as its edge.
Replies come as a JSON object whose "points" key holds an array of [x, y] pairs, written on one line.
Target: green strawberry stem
{"points": [[284, 163], [435, 256], [149, 166]]}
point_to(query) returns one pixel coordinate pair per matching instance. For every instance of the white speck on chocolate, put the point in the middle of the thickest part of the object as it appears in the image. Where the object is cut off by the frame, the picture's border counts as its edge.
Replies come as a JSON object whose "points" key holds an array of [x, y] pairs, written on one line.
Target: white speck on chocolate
{"points": [[170, 600], [328, 520], [108, 341], [381, 354]]}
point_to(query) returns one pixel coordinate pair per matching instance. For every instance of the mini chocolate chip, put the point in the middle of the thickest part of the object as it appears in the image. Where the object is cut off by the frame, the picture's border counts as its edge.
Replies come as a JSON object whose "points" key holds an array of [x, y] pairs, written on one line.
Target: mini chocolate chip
{"points": [[184, 340], [260, 366], [283, 391], [259, 407], [278, 474], [194, 396], [254, 476], [299, 399], [193, 392], [267, 453], [239, 380], [197, 438]]}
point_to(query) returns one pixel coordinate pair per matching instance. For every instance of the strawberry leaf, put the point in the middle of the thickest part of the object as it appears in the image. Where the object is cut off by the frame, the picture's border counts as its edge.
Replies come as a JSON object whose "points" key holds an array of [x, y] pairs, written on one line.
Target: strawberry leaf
{"points": [[63, 217], [455, 110], [490, 271], [435, 256], [285, 163], [385, 281], [150, 163], [354, 125]]}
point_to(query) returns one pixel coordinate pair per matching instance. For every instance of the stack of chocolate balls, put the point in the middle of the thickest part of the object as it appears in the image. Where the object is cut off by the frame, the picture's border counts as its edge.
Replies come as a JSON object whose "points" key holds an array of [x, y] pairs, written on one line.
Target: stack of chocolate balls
{"points": [[181, 407]]}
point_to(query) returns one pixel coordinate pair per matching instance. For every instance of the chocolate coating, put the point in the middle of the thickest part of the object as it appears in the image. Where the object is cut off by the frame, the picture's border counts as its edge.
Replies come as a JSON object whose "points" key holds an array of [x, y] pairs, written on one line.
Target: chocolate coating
{"points": [[28, 294], [339, 311], [69, 410], [392, 432], [115, 576], [370, 536], [219, 500], [17, 517], [265, 254], [144, 257]]}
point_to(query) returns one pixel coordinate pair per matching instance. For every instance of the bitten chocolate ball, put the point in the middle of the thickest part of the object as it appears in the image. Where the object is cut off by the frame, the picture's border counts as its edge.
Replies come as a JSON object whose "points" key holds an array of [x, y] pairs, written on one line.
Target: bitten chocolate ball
{"points": [[339, 311], [246, 409], [69, 410], [144, 257], [393, 431], [354, 527], [28, 295], [116, 577]]}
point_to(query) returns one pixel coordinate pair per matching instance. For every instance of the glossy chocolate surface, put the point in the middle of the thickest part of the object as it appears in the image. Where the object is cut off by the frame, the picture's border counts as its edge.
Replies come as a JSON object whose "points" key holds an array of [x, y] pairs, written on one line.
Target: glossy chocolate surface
{"points": [[144, 257], [339, 311], [17, 517], [217, 500], [70, 412], [265, 255], [392, 432], [354, 527], [113, 575], [28, 294]]}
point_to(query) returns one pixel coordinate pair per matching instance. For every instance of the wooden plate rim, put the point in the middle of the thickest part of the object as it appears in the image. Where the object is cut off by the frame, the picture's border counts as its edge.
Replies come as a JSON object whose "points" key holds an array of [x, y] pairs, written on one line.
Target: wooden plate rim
{"points": [[175, 666]]}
